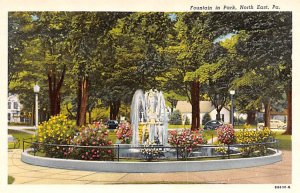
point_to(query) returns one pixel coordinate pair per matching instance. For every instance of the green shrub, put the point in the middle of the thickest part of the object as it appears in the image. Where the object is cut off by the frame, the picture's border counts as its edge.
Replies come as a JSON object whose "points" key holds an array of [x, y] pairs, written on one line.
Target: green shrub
{"points": [[57, 130], [175, 118], [206, 118], [95, 135], [187, 121]]}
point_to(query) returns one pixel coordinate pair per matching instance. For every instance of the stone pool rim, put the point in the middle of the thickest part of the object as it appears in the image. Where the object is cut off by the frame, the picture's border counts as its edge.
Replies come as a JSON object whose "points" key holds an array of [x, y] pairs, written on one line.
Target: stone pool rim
{"points": [[151, 167]]}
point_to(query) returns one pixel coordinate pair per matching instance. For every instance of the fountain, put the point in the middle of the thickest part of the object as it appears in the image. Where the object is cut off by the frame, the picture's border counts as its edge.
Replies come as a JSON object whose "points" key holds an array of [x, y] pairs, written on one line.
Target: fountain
{"points": [[149, 110]]}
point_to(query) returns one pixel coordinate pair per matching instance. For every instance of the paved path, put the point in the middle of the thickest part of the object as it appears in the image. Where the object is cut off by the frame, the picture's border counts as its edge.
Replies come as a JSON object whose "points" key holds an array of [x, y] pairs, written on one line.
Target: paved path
{"points": [[278, 173]]}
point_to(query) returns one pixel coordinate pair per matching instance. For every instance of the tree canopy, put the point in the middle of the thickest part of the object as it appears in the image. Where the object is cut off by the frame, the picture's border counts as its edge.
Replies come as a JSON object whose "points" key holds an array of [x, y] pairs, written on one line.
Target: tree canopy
{"points": [[84, 59]]}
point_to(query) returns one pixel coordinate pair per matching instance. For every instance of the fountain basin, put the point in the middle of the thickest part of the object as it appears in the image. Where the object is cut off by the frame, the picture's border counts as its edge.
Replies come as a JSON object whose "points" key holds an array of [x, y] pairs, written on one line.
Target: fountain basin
{"points": [[151, 167]]}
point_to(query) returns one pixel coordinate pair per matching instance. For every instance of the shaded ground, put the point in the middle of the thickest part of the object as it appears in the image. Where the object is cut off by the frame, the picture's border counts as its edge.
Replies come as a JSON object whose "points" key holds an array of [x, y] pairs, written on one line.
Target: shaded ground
{"points": [[278, 173]]}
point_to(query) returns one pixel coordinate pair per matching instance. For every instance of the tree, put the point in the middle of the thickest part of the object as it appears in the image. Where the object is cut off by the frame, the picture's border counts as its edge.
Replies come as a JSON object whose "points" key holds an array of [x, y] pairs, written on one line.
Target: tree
{"points": [[133, 49], [214, 82], [256, 60], [187, 121], [52, 29], [268, 47], [87, 31], [206, 118], [175, 118], [172, 98], [19, 28], [43, 55], [189, 49]]}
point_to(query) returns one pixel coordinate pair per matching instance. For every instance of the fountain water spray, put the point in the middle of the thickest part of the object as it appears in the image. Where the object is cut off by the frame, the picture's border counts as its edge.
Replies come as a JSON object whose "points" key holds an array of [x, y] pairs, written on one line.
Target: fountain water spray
{"points": [[149, 110]]}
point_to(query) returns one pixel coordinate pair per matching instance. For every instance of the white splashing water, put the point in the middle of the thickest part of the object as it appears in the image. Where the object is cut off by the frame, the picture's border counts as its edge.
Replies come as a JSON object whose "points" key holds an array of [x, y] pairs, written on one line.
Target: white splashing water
{"points": [[149, 110]]}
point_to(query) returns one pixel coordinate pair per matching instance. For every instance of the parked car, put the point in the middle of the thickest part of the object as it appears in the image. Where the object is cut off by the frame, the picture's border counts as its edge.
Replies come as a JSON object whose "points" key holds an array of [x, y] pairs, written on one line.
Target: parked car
{"points": [[213, 124], [274, 124], [112, 124]]}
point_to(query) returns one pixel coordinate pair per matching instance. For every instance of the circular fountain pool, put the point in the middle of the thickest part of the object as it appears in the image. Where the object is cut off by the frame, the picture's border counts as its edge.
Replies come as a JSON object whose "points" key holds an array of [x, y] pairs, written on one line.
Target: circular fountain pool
{"points": [[151, 167]]}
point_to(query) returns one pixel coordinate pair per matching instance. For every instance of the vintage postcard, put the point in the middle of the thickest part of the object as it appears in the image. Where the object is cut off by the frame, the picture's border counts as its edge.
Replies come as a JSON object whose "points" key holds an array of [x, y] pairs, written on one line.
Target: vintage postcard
{"points": [[149, 96]]}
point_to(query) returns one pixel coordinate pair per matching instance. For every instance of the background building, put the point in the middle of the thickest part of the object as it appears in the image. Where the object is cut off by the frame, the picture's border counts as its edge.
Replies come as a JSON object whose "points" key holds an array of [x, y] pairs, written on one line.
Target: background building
{"points": [[15, 114], [14, 109], [205, 107]]}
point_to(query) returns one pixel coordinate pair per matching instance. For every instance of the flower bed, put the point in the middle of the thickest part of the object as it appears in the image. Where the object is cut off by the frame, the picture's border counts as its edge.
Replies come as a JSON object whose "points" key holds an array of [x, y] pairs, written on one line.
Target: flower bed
{"points": [[226, 134], [151, 152], [124, 133], [57, 130], [248, 136], [186, 139], [95, 135]]}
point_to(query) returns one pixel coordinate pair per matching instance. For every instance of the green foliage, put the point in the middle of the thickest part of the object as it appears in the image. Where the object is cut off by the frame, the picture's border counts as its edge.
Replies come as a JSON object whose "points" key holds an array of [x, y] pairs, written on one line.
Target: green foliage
{"points": [[57, 130], [187, 121], [175, 118], [95, 136], [285, 142], [122, 52], [19, 135], [206, 118], [172, 97]]}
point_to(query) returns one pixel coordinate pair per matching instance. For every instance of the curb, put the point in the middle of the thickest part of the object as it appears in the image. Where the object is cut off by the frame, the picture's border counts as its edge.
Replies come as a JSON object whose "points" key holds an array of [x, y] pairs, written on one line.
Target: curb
{"points": [[150, 167]]}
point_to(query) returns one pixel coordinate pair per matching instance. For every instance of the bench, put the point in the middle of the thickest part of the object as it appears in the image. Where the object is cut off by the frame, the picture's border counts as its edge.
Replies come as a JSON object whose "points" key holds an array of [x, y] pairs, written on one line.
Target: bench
{"points": [[15, 141]]}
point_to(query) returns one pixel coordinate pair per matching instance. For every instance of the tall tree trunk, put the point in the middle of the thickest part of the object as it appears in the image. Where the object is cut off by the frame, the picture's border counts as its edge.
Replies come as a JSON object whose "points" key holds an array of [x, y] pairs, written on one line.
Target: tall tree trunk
{"points": [[251, 117], [195, 98], [90, 116], [79, 94], [289, 113], [114, 109], [218, 114], [82, 101], [54, 90], [267, 113]]}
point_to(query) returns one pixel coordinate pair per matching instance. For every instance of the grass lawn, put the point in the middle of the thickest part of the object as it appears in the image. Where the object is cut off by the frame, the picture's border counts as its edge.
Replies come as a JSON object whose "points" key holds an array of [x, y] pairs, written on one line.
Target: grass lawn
{"points": [[179, 126], [242, 126], [19, 135], [209, 134], [11, 179], [112, 136], [285, 141]]}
